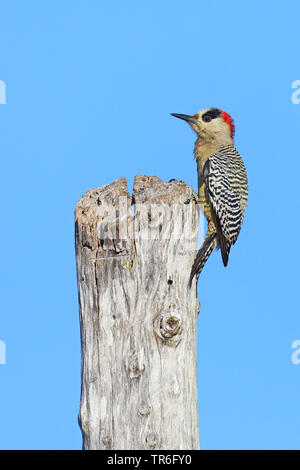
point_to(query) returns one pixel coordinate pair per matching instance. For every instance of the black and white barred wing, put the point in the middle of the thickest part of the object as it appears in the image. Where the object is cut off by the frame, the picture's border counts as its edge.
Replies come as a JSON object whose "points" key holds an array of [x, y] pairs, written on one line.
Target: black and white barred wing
{"points": [[220, 175]]}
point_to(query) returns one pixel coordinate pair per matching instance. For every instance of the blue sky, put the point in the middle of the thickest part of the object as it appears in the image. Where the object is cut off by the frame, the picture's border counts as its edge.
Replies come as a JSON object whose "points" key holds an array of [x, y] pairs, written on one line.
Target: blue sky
{"points": [[89, 89]]}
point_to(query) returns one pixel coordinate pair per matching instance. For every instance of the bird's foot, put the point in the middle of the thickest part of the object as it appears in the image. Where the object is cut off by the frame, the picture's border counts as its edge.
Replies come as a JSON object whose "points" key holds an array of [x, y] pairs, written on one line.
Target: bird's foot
{"points": [[174, 179]]}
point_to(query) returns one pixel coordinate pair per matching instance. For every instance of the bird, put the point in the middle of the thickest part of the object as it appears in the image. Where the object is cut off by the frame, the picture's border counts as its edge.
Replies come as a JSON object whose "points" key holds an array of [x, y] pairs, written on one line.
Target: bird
{"points": [[222, 182]]}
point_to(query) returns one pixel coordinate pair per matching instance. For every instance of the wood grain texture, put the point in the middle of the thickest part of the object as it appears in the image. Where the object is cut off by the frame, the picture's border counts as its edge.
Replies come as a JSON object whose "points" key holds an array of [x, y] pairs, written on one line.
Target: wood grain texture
{"points": [[137, 315]]}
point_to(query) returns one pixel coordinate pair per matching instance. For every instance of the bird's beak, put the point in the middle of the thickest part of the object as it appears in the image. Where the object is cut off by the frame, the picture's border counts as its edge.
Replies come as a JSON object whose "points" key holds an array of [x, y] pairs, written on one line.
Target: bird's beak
{"points": [[185, 117]]}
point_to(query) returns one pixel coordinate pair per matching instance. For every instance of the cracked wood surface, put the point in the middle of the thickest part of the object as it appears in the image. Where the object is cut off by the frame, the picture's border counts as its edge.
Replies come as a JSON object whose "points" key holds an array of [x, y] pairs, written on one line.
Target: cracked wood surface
{"points": [[137, 315]]}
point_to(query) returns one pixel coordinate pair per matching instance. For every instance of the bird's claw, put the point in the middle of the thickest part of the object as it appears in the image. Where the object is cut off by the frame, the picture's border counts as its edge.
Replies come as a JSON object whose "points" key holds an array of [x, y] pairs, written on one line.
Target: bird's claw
{"points": [[174, 179]]}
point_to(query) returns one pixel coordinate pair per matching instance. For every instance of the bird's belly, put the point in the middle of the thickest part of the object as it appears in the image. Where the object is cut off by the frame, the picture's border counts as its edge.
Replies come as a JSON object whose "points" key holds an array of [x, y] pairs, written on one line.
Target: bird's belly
{"points": [[204, 204]]}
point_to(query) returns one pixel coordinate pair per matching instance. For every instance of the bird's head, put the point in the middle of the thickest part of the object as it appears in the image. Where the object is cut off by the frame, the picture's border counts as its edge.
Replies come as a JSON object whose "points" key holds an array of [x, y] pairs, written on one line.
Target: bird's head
{"points": [[210, 124]]}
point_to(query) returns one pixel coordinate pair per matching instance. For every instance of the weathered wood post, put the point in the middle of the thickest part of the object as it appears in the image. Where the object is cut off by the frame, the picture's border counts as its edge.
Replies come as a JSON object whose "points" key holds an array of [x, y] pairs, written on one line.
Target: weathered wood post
{"points": [[138, 315]]}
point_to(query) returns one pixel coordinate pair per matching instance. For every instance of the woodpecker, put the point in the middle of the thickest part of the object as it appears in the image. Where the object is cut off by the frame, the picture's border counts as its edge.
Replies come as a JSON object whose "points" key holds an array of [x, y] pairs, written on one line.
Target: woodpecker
{"points": [[222, 182]]}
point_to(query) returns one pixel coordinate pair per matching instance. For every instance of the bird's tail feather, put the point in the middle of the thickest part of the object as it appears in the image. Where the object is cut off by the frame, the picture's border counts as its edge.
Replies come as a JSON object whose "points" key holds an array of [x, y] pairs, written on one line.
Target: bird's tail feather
{"points": [[202, 256]]}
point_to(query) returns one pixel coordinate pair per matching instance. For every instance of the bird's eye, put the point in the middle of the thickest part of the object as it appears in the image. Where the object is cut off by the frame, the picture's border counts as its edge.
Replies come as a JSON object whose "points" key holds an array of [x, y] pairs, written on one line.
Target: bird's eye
{"points": [[206, 118]]}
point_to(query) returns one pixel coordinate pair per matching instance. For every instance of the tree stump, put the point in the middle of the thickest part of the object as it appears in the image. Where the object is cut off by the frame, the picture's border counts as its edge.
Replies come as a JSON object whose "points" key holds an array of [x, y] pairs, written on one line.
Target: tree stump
{"points": [[138, 315]]}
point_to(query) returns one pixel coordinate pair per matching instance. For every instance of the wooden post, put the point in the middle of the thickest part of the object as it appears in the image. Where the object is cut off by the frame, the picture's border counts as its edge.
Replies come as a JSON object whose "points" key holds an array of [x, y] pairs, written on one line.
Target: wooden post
{"points": [[138, 315]]}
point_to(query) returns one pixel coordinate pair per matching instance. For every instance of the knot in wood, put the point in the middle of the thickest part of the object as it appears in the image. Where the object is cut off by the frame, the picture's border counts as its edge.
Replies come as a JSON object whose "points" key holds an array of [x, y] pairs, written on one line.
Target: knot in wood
{"points": [[107, 441], [152, 440], [145, 410], [135, 366], [170, 324], [167, 327]]}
